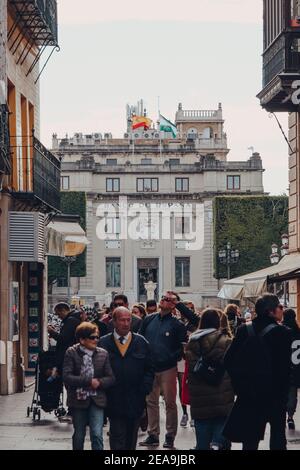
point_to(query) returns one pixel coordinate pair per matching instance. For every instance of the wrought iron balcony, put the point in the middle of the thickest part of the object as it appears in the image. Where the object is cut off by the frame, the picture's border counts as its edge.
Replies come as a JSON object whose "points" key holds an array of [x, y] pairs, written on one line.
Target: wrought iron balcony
{"points": [[46, 175], [43, 191], [5, 157], [38, 18]]}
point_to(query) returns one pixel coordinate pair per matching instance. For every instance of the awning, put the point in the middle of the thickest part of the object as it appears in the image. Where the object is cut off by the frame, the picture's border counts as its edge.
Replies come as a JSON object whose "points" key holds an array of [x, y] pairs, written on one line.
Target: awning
{"points": [[65, 239], [252, 285]]}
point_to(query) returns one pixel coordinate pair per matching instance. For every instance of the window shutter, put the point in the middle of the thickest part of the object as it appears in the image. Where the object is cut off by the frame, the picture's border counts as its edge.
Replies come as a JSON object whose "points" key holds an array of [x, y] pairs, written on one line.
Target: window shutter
{"points": [[26, 238]]}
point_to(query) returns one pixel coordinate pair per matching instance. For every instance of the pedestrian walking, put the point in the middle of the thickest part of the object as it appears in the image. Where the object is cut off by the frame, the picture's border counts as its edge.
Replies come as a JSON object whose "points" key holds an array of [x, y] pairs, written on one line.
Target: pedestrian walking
{"points": [[234, 317], [87, 374], [259, 364], [290, 322], [166, 335], [64, 338], [121, 300], [210, 391], [132, 365], [151, 306], [139, 311]]}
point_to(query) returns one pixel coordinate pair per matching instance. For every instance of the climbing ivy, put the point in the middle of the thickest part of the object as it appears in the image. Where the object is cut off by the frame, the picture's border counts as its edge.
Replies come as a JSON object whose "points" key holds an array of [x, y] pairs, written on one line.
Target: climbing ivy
{"points": [[71, 203], [251, 224]]}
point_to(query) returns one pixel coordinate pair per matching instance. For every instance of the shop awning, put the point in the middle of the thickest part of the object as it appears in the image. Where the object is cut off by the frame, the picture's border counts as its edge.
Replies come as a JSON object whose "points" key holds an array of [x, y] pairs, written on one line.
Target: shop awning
{"points": [[65, 238], [252, 285]]}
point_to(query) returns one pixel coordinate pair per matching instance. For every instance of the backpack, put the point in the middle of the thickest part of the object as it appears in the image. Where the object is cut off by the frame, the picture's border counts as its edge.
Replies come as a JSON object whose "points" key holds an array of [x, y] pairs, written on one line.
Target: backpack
{"points": [[212, 372], [250, 371]]}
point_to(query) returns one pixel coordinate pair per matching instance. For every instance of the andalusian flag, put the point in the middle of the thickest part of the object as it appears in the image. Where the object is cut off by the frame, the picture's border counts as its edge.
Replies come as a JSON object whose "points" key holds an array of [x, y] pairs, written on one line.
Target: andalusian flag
{"points": [[141, 121], [167, 126]]}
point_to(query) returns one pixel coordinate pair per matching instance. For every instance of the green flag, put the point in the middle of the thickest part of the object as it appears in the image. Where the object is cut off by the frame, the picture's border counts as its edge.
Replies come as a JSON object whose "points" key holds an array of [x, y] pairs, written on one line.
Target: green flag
{"points": [[167, 126]]}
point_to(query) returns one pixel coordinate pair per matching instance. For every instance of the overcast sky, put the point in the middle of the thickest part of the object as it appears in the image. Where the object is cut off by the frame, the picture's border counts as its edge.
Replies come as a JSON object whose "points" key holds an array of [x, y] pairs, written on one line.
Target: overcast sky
{"points": [[198, 52]]}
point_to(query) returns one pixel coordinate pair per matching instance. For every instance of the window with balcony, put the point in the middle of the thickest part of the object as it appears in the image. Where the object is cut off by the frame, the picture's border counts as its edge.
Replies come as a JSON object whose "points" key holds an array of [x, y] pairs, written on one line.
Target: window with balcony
{"points": [[174, 161], [113, 272], [182, 185], [233, 182], [112, 185], [147, 185], [182, 272], [65, 183]]}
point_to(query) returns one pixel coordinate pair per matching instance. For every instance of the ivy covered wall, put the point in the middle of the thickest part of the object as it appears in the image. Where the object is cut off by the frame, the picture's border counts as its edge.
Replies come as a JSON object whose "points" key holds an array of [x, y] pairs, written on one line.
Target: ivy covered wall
{"points": [[251, 224], [71, 203]]}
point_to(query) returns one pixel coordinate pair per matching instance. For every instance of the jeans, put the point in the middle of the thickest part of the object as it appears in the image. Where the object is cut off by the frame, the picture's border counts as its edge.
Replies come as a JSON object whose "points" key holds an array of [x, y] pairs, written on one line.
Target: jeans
{"points": [[209, 432], [93, 416]]}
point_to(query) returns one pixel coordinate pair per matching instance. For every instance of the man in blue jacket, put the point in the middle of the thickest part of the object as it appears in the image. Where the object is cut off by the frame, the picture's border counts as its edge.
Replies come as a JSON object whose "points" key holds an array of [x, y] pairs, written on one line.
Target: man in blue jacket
{"points": [[166, 335], [131, 362]]}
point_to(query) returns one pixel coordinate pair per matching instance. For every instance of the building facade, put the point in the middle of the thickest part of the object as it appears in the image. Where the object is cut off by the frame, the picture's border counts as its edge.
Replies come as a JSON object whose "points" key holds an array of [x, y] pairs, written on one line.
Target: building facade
{"points": [[173, 178], [29, 190]]}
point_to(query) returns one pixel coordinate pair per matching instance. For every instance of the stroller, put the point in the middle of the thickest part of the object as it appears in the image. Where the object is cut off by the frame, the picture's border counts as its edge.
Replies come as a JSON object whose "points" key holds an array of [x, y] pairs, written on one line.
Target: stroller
{"points": [[48, 390]]}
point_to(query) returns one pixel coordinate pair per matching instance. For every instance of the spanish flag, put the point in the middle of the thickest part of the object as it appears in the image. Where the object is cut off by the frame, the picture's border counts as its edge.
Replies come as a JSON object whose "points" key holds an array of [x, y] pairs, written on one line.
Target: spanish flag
{"points": [[141, 121]]}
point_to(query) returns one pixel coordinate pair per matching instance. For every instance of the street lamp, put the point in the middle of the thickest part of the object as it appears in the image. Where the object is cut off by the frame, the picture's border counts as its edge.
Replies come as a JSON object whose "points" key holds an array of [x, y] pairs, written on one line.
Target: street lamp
{"points": [[69, 260], [229, 256], [275, 258]]}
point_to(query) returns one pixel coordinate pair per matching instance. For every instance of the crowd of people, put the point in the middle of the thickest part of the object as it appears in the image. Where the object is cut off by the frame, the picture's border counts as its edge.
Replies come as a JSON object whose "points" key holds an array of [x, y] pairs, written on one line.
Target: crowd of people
{"points": [[234, 372]]}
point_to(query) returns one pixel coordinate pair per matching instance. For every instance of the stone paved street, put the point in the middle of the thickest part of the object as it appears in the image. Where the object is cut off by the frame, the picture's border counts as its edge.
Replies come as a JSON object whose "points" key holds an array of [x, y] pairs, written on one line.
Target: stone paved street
{"points": [[17, 432]]}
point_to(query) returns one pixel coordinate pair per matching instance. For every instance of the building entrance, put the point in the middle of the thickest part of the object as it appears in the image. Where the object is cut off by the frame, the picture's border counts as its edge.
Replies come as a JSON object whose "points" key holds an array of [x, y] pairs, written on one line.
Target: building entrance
{"points": [[147, 271]]}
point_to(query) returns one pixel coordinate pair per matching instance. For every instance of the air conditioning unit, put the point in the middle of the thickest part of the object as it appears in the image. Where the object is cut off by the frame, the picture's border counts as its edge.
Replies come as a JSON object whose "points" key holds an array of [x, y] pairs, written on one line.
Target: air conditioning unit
{"points": [[126, 135], [146, 136], [136, 136], [157, 135], [97, 136]]}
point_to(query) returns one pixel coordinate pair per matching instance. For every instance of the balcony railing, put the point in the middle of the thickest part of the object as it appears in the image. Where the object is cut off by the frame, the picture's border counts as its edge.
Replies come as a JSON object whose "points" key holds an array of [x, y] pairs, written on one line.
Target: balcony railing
{"points": [[5, 158], [46, 175], [39, 19]]}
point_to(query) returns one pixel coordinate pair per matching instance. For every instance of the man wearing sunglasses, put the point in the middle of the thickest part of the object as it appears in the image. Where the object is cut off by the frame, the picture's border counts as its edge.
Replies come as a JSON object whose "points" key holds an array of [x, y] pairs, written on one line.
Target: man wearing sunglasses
{"points": [[166, 335]]}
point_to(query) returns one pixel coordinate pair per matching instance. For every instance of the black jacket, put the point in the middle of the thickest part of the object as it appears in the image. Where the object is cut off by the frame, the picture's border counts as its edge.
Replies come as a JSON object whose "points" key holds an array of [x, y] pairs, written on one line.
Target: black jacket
{"points": [[66, 337], [165, 335], [248, 419], [134, 375]]}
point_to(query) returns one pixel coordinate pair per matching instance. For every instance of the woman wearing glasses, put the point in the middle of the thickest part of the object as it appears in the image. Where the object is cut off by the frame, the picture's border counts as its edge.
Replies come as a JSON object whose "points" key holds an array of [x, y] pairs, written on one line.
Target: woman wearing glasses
{"points": [[87, 374]]}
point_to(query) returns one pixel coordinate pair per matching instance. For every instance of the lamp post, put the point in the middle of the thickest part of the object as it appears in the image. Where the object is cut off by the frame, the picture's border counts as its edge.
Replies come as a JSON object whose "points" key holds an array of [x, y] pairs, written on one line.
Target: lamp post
{"points": [[276, 256], [229, 256], [69, 260]]}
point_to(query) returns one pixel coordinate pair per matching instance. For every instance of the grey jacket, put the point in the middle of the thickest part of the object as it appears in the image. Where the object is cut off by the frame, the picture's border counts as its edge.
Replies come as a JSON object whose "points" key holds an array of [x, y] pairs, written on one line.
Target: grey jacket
{"points": [[72, 379]]}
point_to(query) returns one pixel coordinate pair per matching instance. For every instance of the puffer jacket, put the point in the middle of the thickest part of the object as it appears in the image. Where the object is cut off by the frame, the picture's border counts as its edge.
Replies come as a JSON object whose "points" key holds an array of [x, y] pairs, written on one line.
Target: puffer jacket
{"points": [[73, 379], [208, 401]]}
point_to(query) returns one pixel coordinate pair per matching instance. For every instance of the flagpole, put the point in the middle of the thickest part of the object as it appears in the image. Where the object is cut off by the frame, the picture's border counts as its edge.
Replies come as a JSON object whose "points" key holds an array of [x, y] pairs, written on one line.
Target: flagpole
{"points": [[160, 146]]}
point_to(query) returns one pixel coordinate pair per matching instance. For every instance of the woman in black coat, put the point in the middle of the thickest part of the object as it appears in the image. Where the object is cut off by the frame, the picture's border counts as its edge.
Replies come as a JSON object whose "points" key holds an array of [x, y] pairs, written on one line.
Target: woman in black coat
{"points": [[289, 321]]}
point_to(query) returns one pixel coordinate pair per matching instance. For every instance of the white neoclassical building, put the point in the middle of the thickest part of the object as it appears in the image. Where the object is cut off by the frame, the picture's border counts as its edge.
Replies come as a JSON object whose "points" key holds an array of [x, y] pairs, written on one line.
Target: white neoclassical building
{"points": [[163, 183]]}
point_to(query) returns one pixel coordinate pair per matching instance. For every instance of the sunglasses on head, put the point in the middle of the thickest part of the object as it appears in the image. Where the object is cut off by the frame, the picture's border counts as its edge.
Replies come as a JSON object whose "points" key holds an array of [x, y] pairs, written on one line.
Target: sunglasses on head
{"points": [[93, 337]]}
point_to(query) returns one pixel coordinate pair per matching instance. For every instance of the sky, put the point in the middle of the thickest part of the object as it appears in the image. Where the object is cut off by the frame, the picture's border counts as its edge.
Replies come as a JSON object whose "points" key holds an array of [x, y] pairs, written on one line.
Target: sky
{"points": [[197, 52]]}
